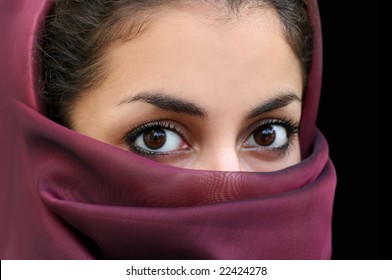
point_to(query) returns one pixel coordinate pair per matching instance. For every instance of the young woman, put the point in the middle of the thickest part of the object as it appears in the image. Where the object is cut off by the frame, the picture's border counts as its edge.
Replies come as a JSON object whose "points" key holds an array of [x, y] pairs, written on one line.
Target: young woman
{"points": [[167, 129]]}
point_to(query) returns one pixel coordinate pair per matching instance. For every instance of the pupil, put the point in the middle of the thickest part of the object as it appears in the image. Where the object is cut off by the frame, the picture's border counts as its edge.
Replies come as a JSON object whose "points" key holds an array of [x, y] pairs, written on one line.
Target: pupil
{"points": [[265, 136], [154, 138]]}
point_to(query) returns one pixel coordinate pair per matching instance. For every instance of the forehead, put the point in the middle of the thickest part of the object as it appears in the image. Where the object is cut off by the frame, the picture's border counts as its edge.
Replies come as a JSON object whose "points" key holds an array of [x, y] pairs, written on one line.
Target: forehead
{"points": [[205, 52]]}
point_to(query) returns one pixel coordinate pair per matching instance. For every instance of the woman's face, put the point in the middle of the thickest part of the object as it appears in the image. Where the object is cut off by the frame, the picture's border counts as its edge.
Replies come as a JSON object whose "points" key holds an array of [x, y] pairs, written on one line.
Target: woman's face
{"points": [[199, 91]]}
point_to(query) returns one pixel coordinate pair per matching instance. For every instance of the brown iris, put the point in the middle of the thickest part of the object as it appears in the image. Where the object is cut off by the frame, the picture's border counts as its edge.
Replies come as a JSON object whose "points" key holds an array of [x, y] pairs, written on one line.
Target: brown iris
{"points": [[265, 135], [154, 138]]}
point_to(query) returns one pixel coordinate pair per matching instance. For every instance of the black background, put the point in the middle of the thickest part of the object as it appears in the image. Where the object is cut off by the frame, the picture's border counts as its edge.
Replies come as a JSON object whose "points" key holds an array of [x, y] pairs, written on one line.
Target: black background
{"points": [[350, 118]]}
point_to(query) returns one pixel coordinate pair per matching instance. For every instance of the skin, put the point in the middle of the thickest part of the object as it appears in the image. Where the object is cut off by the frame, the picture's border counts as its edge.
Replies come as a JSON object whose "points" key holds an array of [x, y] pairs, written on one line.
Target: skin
{"points": [[226, 67]]}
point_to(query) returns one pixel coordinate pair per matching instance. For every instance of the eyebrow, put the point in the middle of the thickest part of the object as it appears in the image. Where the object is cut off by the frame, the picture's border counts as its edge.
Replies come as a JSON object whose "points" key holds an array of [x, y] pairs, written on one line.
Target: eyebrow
{"points": [[177, 105], [167, 102], [274, 103]]}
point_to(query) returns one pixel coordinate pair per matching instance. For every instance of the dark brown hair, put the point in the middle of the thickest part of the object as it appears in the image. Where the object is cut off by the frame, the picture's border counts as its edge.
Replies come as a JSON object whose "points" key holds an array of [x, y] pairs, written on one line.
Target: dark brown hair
{"points": [[77, 33]]}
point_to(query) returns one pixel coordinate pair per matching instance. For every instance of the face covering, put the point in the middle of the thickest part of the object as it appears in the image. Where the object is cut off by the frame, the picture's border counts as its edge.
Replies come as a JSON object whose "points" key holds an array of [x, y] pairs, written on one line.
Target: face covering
{"points": [[67, 196]]}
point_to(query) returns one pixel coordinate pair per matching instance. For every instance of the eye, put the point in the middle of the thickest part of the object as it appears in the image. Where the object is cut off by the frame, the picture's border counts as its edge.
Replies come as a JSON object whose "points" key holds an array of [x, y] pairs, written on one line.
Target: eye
{"points": [[156, 139], [271, 135]]}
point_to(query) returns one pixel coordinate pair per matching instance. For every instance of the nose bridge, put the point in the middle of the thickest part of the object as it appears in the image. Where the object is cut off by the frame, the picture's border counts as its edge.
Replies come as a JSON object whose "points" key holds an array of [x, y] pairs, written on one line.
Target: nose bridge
{"points": [[220, 157]]}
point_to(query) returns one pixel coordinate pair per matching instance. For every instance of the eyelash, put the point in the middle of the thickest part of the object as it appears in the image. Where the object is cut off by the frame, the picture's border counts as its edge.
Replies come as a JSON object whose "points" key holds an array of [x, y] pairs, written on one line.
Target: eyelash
{"points": [[292, 128], [137, 130]]}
